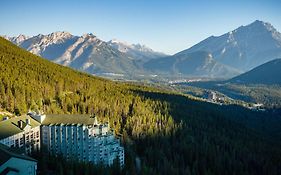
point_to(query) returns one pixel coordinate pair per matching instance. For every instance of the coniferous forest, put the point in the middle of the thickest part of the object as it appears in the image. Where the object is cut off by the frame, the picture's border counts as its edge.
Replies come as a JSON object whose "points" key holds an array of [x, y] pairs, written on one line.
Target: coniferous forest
{"points": [[167, 133]]}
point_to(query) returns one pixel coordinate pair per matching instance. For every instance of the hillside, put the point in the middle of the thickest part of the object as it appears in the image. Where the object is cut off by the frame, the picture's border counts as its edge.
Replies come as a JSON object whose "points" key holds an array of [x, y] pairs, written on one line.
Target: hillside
{"points": [[243, 48], [196, 64], [268, 73], [180, 135]]}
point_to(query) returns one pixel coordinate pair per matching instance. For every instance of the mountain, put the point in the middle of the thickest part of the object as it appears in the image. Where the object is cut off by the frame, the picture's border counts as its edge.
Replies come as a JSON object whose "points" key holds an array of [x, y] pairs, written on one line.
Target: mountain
{"points": [[243, 48], [17, 40], [223, 56], [87, 53], [180, 133], [268, 73], [137, 51], [196, 64]]}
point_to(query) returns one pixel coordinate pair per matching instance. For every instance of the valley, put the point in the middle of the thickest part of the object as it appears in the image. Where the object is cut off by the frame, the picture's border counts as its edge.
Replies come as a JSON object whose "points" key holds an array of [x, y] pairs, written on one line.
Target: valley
{"points": [[160, 120], [140, 87]]}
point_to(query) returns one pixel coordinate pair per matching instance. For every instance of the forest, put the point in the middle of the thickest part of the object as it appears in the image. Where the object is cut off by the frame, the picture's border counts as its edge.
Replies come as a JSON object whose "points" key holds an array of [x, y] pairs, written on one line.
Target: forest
{"points": [[169, 132], [267, 94]]}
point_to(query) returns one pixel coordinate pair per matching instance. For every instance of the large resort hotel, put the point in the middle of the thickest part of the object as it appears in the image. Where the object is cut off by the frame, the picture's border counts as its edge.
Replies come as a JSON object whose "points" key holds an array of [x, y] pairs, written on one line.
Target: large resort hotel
{"points": [[78, 137]]}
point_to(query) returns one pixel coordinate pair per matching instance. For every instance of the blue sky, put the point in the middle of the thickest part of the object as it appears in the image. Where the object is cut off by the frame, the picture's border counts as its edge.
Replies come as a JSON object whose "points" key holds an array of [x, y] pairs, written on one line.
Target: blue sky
{"points": [[164, 25]]}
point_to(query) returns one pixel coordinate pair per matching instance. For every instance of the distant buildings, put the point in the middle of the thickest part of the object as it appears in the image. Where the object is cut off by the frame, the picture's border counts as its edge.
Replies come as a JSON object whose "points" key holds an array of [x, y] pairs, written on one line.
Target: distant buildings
{"points": [[257, 107], [15, 163], [212, 96]]}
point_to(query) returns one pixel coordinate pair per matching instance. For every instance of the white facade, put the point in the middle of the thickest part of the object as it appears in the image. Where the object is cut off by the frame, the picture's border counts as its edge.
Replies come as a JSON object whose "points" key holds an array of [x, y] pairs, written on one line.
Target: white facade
{"points": [[92, 143], [40, 117], [19, 166], [82, 138], [29, 139], [26, 135]]}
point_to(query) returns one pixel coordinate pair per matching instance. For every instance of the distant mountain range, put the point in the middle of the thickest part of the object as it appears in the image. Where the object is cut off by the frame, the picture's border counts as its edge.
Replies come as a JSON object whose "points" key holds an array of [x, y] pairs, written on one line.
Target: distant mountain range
{"points": [[268, 73], [222, 56], [88, 53], [243, 48], [195, 64], [136, 51]]}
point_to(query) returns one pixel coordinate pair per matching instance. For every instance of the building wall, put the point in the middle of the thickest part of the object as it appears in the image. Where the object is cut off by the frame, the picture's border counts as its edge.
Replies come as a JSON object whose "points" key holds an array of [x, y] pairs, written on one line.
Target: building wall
{"points": [[25, 167], [32, 139], [95, 144], [29, 139]]}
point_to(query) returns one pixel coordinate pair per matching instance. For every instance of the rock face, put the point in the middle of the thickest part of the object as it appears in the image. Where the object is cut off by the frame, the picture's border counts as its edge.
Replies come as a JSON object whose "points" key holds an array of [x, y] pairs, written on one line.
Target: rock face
{"points": [[243, 48], [137, 51], [87, 53]]}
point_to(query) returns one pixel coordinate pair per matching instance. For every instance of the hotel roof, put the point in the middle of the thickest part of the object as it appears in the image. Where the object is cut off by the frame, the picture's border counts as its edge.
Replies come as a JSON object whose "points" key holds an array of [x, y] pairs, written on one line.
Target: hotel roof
{"points": [[10, 127], [7, 153], [68, 119]]}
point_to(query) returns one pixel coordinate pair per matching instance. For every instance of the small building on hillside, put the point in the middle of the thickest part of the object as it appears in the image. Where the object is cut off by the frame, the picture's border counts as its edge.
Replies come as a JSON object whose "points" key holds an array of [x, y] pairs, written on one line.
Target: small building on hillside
{"points": [[14, 163], [20, 132], [212, 96]]}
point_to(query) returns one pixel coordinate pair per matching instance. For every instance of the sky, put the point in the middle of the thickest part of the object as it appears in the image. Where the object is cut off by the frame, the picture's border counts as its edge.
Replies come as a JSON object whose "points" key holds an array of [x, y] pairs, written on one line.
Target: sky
{"points": [[167, 26]]}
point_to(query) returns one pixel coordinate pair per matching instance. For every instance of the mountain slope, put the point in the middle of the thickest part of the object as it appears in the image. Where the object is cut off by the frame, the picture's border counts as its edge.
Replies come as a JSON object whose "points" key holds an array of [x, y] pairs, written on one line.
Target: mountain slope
{"points": [[86, 53], [243, 48], [180, 134], [17, 40], [196, 64], [268, 73], [137, 51]]}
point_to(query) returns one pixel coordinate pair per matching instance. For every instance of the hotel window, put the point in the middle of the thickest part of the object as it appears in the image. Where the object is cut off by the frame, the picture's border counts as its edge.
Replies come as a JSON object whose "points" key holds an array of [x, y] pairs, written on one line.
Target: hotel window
{"points": [[17, 142], [21, 141]]}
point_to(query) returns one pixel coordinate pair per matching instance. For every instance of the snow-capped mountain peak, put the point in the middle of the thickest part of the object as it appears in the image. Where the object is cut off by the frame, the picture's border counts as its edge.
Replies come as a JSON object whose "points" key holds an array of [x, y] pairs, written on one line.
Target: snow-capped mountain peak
{"points": [[88, 35], [55, 37], [59, 35], [243, 48], [17, 39], [137, 51], [87, 52], [122, 46]]}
